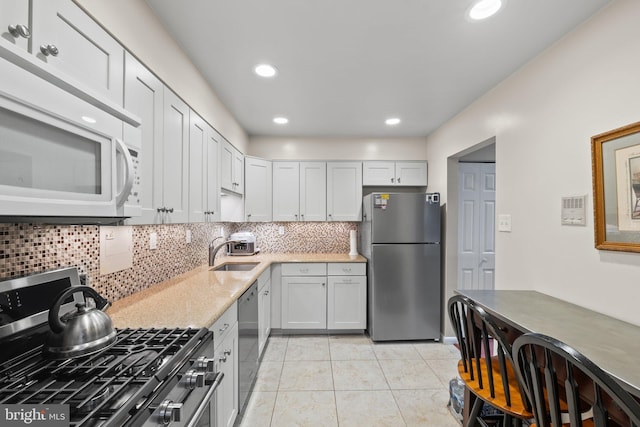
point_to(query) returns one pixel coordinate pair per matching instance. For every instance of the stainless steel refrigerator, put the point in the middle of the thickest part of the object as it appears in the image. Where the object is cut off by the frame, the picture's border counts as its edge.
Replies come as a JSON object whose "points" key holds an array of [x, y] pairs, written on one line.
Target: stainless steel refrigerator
{"points": [[400, 237]]}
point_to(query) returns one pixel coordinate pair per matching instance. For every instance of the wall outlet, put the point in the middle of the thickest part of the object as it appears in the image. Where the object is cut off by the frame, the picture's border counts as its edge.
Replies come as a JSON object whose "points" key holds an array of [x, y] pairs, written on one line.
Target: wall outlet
{"points": [[504, 223], [188, 236], [153, 241], [281, 230]]}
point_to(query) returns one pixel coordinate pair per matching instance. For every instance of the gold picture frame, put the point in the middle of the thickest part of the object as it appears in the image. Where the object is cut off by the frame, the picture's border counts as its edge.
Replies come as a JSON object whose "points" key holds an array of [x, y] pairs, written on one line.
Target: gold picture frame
{"points": [[616, 188]]}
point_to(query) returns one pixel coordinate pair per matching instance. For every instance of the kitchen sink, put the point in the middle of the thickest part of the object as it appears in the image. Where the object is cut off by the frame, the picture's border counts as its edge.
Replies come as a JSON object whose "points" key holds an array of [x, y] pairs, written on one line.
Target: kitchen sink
{"points": [[239, 266]]}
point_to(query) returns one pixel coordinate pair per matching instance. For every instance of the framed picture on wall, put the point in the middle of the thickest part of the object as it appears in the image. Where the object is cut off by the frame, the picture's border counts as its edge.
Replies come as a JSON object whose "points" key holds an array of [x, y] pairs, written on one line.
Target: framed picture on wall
{"points": [[616, 188]]}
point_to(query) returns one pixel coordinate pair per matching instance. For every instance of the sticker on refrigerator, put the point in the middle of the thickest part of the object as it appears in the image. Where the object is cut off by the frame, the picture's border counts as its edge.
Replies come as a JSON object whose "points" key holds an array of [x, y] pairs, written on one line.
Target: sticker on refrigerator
{"points": [[380, 201]]}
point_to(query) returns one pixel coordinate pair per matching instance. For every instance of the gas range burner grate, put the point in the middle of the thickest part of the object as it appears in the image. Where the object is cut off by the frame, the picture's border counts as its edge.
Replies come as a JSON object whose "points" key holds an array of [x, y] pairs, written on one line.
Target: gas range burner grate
{"points": [[108, 385]]}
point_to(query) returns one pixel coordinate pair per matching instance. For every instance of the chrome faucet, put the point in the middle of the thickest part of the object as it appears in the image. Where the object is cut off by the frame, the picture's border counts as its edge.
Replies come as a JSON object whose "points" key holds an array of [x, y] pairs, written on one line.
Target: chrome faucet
{"points": [[213, 250]]}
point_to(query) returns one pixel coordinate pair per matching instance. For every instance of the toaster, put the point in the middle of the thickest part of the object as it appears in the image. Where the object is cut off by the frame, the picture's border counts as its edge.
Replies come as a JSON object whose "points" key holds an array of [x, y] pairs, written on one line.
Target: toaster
{"points": [[245, 244]]}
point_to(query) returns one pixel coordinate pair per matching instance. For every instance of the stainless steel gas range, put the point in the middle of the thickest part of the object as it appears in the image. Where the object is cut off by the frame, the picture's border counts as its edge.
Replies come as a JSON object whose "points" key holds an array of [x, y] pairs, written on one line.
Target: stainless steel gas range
{"points": [[147, 377]]}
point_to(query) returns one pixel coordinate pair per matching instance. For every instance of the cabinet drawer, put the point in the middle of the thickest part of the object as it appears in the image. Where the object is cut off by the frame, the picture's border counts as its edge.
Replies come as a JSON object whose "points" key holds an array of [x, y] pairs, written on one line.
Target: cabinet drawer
{"points": [[347, 269], [304, 269], [224, 324]]}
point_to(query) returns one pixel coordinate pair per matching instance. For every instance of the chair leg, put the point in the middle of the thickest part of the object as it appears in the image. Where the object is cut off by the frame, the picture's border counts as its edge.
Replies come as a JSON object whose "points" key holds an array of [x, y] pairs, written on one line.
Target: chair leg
{"points": [[475, 411]]}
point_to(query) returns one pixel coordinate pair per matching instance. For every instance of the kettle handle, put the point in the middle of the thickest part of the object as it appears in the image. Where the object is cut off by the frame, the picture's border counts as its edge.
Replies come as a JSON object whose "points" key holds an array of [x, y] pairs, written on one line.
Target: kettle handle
{"points": [[55, 323]]}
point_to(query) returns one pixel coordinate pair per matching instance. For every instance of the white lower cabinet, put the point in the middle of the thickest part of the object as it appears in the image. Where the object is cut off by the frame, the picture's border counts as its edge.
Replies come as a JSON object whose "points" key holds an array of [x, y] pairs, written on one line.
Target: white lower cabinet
{"points": [[347, 302], [324, 296], [226, 361], [304, 302], [264, 310]]}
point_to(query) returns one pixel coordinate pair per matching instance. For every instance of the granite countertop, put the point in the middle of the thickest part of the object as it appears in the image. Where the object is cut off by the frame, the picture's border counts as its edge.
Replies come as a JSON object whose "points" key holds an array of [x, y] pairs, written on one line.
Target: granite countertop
{"points": [[199, 297]]}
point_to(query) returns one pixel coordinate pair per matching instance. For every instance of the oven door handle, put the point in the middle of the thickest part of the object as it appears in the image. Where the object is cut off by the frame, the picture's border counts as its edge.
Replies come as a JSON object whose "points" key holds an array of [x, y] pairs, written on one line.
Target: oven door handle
{"points": [[207, 398]]}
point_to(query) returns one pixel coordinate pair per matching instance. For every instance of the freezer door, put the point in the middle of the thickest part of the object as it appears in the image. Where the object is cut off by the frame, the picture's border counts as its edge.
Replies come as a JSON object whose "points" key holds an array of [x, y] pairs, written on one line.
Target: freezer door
{"points": [[404, 218], [404, 292]]}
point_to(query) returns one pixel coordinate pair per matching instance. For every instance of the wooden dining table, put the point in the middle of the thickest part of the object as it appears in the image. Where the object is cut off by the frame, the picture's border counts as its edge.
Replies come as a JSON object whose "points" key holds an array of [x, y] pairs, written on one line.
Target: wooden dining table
{"points": [[612, 344]]}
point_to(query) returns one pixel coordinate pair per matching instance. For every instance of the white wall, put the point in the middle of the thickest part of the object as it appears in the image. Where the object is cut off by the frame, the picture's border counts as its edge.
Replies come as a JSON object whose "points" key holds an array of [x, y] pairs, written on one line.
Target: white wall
{"points": [[133, 23], [543, 118], [338, 148]]}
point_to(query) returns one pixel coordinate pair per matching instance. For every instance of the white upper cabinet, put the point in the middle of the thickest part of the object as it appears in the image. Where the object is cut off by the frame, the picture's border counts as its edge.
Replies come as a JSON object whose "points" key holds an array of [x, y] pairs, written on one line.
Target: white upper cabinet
{"points": [[299, 192], [231, 168], [313, 191], [144, 97], [203, 171], [286, 191], [14, 23], [66, 38], [344, 191], [175, 160], [385, 173], [257, 192]]}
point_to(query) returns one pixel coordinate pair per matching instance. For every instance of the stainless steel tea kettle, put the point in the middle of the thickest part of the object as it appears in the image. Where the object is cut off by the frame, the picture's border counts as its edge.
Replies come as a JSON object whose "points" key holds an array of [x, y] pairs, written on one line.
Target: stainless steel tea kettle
{"points": [[78, 333]]}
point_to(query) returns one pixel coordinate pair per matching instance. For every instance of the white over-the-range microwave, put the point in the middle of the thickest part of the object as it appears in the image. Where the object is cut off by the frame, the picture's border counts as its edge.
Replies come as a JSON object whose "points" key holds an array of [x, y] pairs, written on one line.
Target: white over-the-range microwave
{"points": [[61, 156]]}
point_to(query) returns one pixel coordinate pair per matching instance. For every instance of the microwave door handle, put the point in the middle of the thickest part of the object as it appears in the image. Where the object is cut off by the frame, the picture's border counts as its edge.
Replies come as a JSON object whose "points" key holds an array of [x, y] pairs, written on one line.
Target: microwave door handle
{"points": [[122, 196]]}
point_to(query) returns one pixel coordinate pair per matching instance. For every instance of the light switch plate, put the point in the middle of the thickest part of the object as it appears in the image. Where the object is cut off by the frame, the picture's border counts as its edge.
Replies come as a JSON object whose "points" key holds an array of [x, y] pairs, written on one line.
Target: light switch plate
{"points": [[504, 223]]}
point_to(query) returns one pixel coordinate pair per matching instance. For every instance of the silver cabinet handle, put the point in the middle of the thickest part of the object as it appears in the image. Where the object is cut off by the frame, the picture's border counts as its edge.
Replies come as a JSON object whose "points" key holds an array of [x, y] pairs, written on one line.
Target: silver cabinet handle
{"points": [[223, 359], [226, 325], [398, 180], [49, 49], [19, 30], [227, 352], [266, 292], [302, 217], [170, 210], [296, 215], [160, 210], [322, 283], [392, 180]]}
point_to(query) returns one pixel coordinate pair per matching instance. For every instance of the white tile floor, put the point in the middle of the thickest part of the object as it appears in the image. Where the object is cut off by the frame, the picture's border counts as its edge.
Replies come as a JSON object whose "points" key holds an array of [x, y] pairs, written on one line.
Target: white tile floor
{"points": [[347, 380]]}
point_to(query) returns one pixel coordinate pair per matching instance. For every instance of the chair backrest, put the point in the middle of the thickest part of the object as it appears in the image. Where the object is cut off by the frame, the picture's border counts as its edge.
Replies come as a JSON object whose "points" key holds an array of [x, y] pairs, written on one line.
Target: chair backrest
{"points": [[476, 331], [558, 379]]}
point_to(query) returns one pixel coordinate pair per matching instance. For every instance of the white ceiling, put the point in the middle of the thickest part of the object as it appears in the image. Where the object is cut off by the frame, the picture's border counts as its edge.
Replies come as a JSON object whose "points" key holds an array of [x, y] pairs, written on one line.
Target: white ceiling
{"points": [[347, 65]]}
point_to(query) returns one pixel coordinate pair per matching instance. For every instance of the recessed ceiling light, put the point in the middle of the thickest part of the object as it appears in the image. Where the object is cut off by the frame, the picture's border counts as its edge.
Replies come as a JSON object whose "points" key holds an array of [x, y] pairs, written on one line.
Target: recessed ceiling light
{"points": [[484, 9], [88, 119], [265, 70], [392, 121], [281, 120]]}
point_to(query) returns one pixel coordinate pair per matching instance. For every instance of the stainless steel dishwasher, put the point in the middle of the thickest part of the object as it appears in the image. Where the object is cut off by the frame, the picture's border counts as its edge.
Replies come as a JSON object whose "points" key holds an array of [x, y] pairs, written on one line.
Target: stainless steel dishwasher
{"points": [[247, 342]]}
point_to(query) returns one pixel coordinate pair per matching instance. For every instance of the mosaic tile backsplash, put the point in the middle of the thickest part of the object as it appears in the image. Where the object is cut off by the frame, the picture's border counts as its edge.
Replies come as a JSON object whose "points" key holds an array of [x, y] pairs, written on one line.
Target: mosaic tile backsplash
{"points": [[28, 248]]}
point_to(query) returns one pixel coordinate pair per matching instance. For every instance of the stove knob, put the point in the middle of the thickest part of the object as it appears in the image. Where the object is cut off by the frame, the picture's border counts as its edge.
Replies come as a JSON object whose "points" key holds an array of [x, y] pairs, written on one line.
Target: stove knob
{"points": [[194, 379], [170, 411], [205, 364]]}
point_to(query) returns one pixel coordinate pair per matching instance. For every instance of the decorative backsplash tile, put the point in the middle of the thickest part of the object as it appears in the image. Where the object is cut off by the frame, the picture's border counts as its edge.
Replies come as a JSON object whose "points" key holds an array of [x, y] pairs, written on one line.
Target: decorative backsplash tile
{"points": [[28, 248]]}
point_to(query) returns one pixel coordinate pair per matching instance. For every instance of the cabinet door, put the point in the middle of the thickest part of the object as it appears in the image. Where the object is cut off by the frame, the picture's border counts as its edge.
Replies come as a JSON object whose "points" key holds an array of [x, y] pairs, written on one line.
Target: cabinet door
{"points": [[286, 196], [212, 214], [304, 302], [264, 317], [344, 191], [378, 173], [238, 172], [226, 166], [14, 13], [143, 96], [226, 400], [411, 173], [198, 153], [175, 189], [257, 196], [313, 191], [85, 52], [347, 302]]}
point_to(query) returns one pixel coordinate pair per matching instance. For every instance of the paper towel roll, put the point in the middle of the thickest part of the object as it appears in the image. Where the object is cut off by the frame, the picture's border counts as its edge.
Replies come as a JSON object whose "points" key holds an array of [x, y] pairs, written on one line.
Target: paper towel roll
{"points": [[353, 240]]}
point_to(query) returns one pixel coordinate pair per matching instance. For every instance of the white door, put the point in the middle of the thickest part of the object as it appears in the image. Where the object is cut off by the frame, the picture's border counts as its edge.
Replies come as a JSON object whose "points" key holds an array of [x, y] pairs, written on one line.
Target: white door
{"points": [[286, 191], [238, 172], [257, 196], [226, 166], [175, 191], [15, 14], [313, 191], [344, 191], [143, 96], [78, 46], [198, 130], [411, 173], [304, 302], [378, 173], [212, 214], [347, 302], [476, 222]]}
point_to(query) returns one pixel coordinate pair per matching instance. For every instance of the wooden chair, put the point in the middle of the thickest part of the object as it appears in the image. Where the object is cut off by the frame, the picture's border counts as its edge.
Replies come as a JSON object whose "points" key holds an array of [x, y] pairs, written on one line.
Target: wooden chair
{"points": [[489, 375], [555, 373]]}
